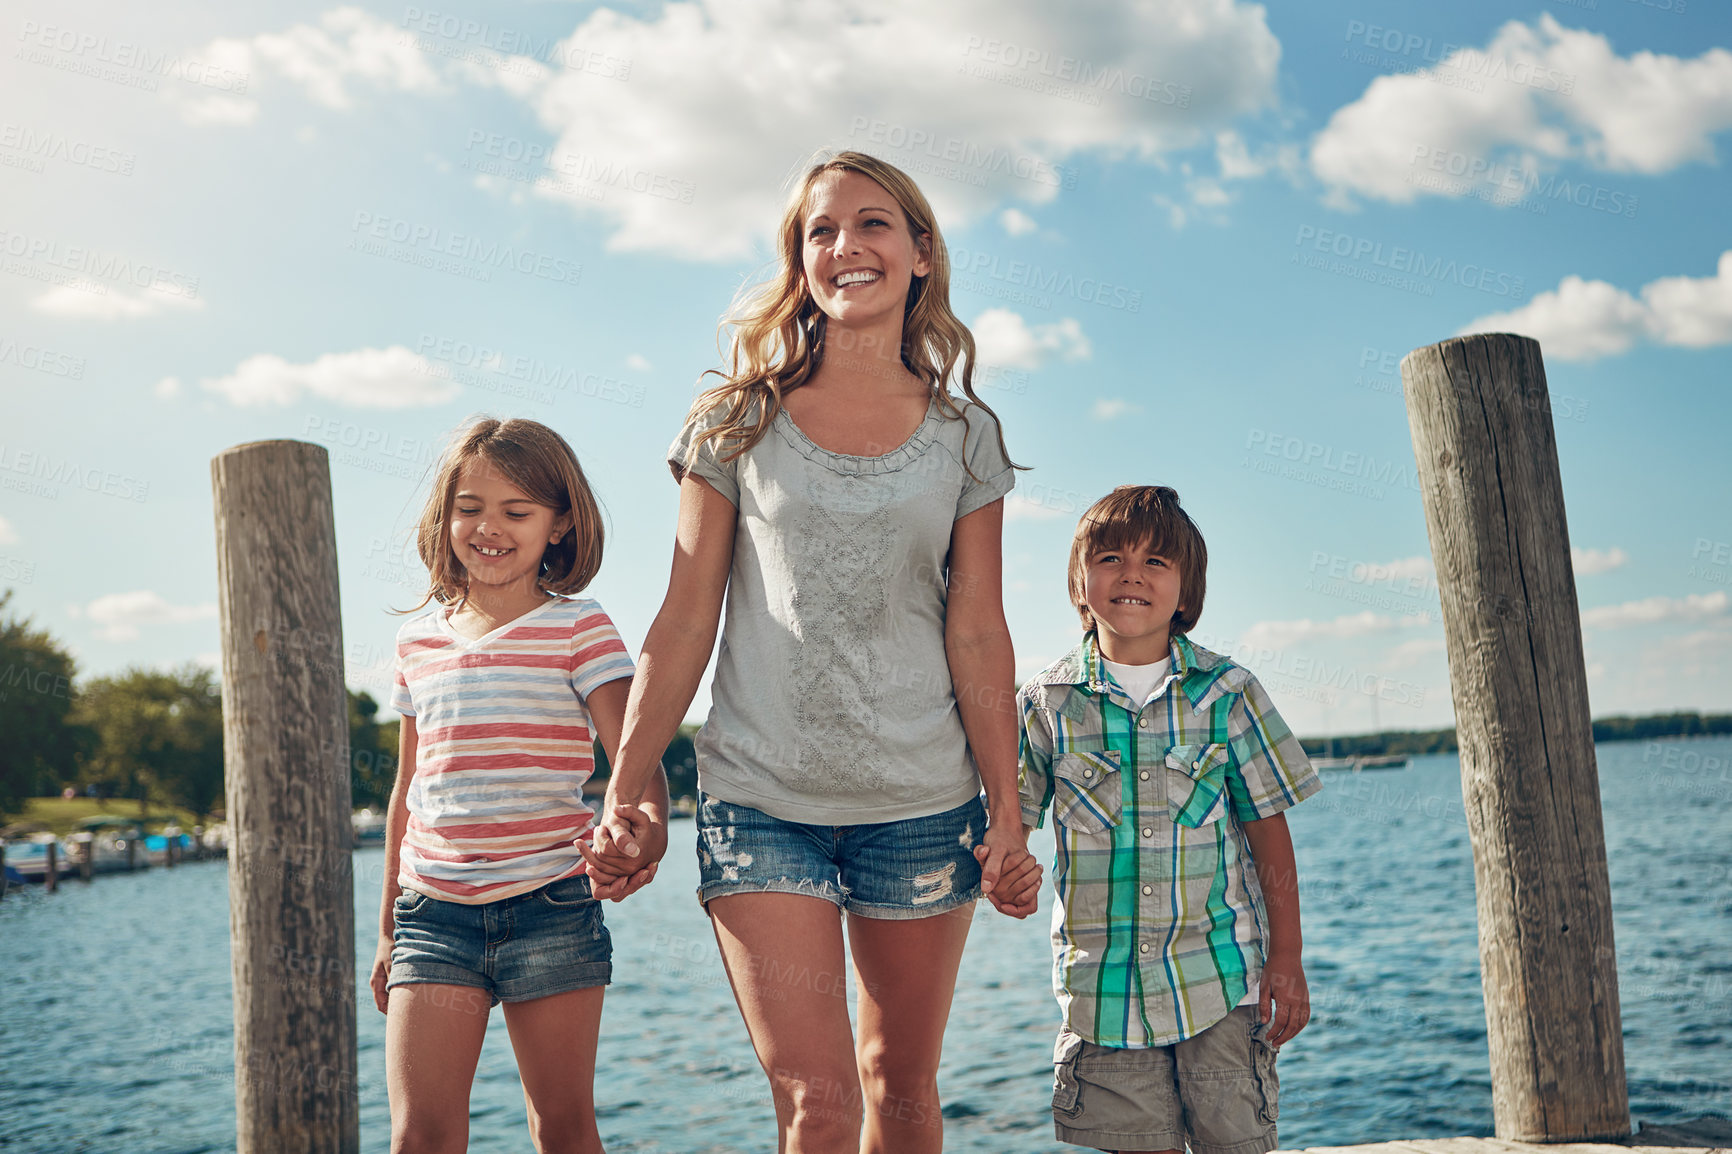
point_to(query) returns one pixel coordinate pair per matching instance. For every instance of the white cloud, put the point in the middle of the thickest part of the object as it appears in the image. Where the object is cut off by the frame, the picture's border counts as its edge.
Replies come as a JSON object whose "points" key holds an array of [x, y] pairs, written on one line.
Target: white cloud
{"points": [[940, 89], [119, 615], [1278, 635], [113, 304], [1237, 162], [392, 378], [1002, 337], [1017, 507], [1655, 610], [1111, 408], [638, 364], [1017, 222], [8, 535], [347, 46], [1584, 320], [167, 389], [1535, 96], [1590, 562]]}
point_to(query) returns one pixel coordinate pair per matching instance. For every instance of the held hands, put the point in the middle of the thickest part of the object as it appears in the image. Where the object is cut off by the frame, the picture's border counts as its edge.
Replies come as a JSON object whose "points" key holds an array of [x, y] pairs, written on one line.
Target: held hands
{"points": [[1009, 875], [628, 846], [1284, 984]]}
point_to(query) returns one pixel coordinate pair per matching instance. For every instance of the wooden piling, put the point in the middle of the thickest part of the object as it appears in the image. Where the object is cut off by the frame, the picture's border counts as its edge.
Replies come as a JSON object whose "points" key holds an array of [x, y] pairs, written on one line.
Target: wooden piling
{"points": [[1494, 509], [51, 876], [290, 896]]}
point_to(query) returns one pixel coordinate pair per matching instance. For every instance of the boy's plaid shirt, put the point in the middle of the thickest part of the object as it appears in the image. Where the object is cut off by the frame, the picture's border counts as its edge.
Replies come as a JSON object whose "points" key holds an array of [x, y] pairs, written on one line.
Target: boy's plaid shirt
{"points": [[1159, 926]]}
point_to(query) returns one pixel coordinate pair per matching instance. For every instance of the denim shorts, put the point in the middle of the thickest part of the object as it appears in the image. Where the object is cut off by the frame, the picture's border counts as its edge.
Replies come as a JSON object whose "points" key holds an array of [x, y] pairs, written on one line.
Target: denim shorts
{"points": [[895, 870], [544, 942], [1215, 1091]]}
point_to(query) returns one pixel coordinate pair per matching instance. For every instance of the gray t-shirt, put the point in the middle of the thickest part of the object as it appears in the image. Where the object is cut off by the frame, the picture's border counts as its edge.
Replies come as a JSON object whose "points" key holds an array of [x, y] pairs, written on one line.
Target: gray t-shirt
{"points": [[832, 702]]}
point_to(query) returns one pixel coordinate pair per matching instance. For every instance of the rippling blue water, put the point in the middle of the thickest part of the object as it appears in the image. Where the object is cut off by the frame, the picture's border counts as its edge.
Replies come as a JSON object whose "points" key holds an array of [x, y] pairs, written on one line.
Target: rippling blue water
{"points": [[116, 1029]]}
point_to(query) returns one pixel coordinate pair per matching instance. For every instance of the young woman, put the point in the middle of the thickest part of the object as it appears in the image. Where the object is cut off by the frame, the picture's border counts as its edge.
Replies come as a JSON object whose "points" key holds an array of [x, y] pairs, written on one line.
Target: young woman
{"points": [[851, 509]]}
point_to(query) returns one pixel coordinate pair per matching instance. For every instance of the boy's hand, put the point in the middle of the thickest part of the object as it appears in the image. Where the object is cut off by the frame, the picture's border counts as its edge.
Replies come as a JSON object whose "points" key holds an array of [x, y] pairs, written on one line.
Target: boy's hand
{"points": [[1004, 870], [1284, 984], [1017, 892]]}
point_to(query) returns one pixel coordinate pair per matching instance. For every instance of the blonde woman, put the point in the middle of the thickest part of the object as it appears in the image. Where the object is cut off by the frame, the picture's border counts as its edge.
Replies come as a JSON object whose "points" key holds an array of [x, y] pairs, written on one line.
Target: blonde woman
{"points": [[851, 510]]}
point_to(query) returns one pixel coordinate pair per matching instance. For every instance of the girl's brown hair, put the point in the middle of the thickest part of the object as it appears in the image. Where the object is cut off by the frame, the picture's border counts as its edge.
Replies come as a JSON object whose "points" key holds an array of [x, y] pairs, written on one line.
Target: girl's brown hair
{"points": [[777, 339], [538, 461], [1133, 515]]}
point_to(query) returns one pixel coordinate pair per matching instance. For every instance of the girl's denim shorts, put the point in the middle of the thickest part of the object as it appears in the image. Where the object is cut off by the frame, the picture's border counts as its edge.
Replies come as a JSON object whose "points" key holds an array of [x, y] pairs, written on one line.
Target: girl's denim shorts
{"points": [[895, 870], [544, 942]]}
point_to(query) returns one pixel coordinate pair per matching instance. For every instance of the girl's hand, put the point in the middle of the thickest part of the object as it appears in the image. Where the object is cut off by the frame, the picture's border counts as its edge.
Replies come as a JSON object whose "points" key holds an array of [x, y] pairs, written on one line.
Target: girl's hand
{"points": [[1009, 875], [618, 866], [381, 973]]}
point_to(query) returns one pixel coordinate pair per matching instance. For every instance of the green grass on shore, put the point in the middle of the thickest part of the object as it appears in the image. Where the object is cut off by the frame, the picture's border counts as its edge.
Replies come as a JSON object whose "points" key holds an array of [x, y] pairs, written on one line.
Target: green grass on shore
{"points": [[62, 816]]}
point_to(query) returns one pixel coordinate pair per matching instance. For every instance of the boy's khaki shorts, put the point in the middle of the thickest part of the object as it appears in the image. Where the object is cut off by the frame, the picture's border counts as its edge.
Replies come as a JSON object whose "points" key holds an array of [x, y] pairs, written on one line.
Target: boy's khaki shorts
{"points": [[1216, 1091]]}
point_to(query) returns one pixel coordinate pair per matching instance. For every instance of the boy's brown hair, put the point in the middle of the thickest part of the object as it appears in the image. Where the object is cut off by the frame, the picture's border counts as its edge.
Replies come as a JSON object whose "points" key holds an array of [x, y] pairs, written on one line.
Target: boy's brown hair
{"points": [[1131, 515]]}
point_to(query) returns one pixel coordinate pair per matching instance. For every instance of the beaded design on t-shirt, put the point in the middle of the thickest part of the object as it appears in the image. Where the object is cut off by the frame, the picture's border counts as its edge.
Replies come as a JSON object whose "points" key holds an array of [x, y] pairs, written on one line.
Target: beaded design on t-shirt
{"points": [[838, 566]]}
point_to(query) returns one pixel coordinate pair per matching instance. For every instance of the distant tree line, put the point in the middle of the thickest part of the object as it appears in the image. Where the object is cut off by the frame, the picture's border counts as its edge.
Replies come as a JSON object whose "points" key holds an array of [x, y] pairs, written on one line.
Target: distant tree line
{"points": [[1417, 741], [156, 737]]}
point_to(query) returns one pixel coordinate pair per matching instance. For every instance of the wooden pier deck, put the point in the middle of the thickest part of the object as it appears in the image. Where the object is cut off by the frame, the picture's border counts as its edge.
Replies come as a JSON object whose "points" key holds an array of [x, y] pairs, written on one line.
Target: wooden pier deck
{"points": [[1709, 1134]]}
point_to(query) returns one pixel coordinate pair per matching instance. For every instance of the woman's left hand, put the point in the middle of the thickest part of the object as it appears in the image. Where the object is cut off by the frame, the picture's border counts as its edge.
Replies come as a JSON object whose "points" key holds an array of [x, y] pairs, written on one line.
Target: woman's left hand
{"points": [[1009, 875]]}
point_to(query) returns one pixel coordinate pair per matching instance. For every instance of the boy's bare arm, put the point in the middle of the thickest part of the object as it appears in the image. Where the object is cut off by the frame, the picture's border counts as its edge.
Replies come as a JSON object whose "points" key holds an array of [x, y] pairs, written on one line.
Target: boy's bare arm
{"points": [[1283, 975]]}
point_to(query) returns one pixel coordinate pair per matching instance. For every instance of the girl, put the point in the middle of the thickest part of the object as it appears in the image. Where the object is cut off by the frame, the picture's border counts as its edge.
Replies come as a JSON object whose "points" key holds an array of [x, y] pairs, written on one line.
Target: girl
{"points": [[850, 508], [503, 684]]}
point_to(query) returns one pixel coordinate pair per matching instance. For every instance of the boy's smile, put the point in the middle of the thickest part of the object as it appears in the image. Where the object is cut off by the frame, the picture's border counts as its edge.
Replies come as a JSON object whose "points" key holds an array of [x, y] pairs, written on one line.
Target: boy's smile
{"points": [[1132, 594]]}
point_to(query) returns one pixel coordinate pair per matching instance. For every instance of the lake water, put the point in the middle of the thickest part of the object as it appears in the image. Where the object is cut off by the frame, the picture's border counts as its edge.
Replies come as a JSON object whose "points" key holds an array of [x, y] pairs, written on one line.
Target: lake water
{"points": [[116, 1023]]}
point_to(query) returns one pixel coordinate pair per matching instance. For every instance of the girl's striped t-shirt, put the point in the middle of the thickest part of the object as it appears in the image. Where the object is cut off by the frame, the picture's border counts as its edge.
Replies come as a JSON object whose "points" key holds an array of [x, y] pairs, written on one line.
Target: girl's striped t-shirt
{"points": [[506, 744]]}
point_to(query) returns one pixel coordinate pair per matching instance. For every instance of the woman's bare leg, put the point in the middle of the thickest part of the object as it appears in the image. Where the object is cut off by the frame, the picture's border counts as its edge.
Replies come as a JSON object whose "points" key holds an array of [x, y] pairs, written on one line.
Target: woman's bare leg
{"points": [[906, 976], [783, 953]]}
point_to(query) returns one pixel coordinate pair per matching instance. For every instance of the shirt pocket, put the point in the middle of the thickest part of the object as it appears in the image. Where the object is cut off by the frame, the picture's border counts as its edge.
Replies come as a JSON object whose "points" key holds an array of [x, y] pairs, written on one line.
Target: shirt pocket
{"points": [[1087, 792], [1197, 784]]}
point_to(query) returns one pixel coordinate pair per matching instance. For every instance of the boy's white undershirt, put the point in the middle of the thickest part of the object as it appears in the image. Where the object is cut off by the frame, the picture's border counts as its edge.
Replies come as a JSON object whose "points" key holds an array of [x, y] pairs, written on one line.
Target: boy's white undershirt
{"points": [[1141, 683]]}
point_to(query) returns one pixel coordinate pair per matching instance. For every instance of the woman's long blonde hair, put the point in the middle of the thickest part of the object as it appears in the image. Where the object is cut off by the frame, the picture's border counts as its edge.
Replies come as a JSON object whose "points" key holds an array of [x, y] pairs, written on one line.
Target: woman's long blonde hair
{"points": [[777, 339]]}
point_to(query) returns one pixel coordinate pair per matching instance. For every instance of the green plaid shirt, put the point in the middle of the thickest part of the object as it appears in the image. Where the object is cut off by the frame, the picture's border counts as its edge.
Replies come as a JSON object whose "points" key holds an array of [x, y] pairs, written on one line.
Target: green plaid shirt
{"points": [[1159, 926]]}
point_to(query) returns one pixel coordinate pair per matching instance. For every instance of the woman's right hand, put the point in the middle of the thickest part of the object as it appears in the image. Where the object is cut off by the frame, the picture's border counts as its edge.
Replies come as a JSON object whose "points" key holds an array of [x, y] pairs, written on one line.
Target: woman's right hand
{"points": [[381, 973]]}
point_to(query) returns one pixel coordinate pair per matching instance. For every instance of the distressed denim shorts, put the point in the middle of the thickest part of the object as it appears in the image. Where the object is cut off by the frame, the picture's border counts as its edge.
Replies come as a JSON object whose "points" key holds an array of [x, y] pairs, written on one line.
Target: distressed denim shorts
{"points": [[895, 870], [1215, 1091], [544, 942]]}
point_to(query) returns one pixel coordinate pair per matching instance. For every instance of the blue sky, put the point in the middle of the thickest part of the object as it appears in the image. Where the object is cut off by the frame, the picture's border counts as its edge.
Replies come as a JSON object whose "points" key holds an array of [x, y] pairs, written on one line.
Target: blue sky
{"points": [[1193, 237]]}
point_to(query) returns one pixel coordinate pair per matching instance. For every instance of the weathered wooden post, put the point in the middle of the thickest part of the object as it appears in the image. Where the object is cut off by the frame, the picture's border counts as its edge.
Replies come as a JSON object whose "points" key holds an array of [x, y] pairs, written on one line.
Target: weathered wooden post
{"points": [[291, 904], [51, 876], [1494, 510]]}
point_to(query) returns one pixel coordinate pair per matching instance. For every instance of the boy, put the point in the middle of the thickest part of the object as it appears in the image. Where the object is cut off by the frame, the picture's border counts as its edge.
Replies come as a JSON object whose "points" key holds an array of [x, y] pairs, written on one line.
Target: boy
{"points": [[1167, 769]]}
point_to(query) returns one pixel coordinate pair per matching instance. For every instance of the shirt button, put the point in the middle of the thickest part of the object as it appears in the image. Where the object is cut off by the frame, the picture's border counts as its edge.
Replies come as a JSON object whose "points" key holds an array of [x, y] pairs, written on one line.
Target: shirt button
{"points": [[1143, 723], [1144, 948], [1148, 831], [1144, 775], [1087, 773], [1148, 889]]}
